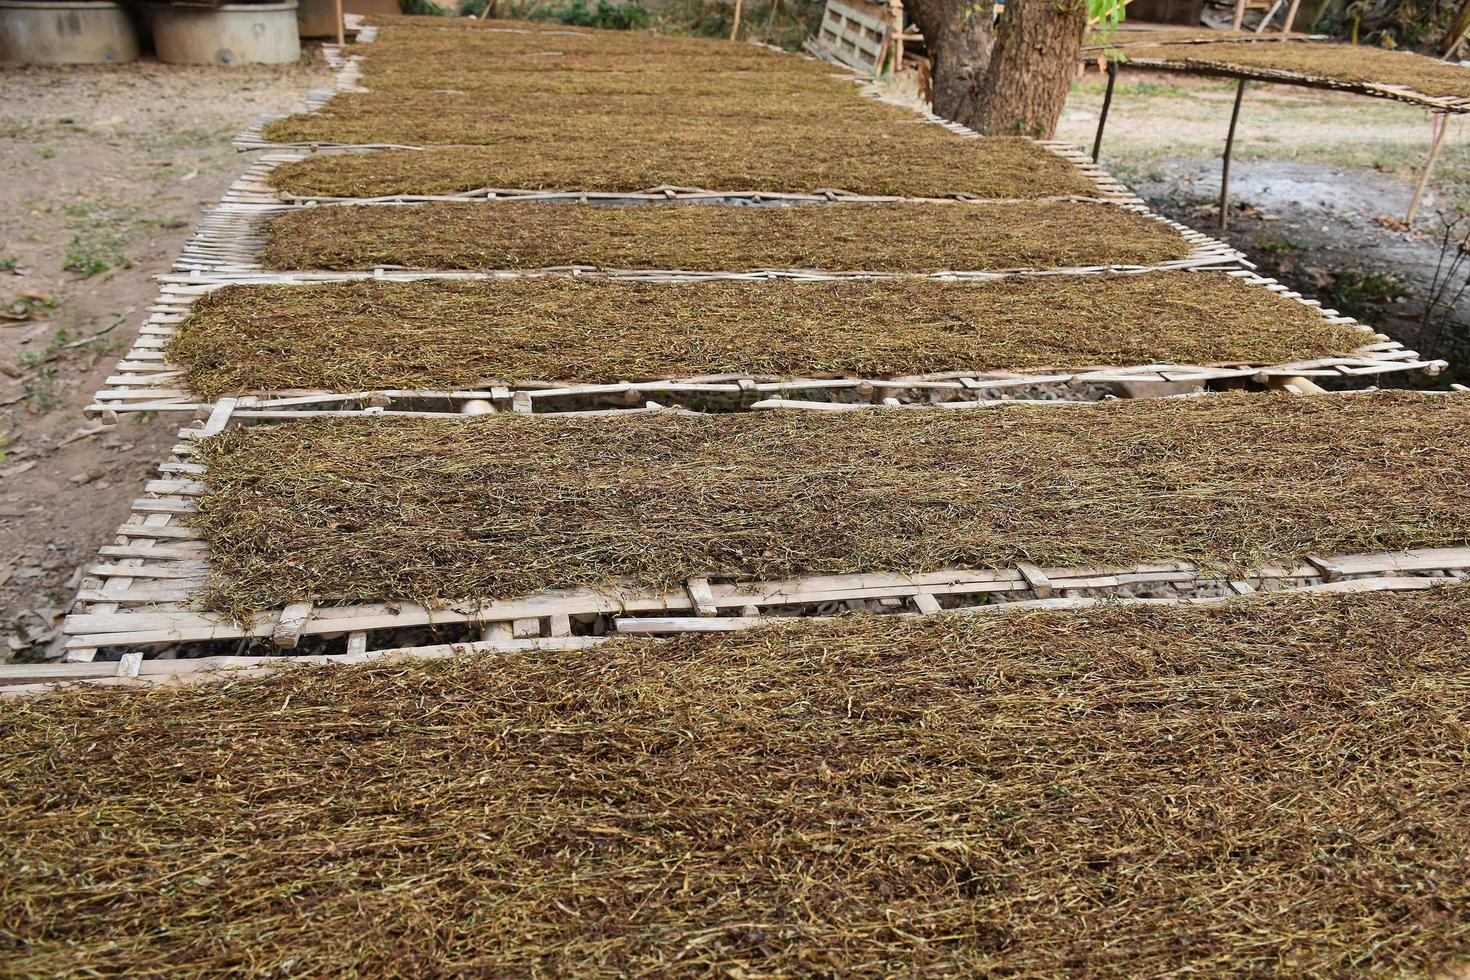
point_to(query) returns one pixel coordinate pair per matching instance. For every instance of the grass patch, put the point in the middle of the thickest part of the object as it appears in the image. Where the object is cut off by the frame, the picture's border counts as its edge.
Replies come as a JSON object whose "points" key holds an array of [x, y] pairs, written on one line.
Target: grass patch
{"points": [[100, 233], [1365, 293], [1353, 64], [901, 237], [610, 16], [1278, 244], [501, 505], [455, 335], [1274, 785]]}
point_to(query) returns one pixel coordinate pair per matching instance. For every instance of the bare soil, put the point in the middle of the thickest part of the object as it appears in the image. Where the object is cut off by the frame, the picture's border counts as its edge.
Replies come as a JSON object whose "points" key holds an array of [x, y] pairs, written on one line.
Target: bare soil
{"points": [[106, 170]]}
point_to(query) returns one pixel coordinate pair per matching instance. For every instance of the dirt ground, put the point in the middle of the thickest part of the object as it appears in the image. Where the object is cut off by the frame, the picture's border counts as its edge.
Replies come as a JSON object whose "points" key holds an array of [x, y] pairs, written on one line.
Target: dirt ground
{"points": [[1320, 184], [106, 170]]}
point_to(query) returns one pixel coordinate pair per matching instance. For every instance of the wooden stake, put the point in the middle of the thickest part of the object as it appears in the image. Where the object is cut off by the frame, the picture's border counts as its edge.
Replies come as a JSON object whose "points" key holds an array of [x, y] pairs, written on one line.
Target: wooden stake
{"points": [[1290, 18], [1266, 21], [1102, 119], [1229, 145], [895, 19], [736, 29], [1239, 15], [1442, 124], [341, 31]]}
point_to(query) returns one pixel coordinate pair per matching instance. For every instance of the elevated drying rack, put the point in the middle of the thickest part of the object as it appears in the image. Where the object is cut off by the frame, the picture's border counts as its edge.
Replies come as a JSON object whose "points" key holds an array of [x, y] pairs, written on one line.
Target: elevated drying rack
{"points": [[143, 596], [146, 381]]}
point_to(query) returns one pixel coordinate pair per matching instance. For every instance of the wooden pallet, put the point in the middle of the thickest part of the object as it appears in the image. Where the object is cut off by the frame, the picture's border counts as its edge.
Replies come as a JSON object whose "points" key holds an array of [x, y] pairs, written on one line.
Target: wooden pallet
{"points": [[146, 381], [855, 32], [143, 594]]}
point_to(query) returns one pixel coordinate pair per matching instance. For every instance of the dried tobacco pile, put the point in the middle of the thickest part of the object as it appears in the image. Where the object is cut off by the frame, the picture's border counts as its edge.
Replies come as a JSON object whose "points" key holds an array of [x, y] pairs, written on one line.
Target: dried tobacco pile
{"points": [[1271, 787], [889, 237], [596, 153], [422, 54], [459, 116], [1127, 37], [1352, 64], [456, 335], [468, 46], [518, 87], [504, 505], [613, 111]]}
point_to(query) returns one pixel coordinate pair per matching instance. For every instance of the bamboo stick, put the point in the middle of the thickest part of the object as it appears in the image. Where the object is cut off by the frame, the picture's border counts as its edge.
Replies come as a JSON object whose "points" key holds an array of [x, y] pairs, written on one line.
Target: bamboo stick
{"points": [[1441, 126]]}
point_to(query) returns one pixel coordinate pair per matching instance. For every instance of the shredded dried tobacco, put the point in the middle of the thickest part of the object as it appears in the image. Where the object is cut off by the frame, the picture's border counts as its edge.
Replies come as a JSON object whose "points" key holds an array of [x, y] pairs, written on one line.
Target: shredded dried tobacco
{"points": [[887, 237], [1274, 786], [375, 509], [456, 335]]}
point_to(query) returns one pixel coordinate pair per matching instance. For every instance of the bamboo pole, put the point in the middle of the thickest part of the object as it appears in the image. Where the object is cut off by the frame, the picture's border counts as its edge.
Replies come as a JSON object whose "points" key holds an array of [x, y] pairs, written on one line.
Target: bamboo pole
{"points": [[895, 14], [1442, 126], [1266, 20], [1239, 15], [1229, 146], [1290, 18], [341, 31], [1102, 119], [736, 29]]}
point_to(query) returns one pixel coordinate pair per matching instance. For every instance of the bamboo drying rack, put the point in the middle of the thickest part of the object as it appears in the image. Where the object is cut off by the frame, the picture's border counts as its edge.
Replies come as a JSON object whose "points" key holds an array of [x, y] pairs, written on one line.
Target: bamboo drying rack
{"points": [[1377, 90], [913, 596], [146, 381], [254, 188], [143, 593], [1442, 106]]}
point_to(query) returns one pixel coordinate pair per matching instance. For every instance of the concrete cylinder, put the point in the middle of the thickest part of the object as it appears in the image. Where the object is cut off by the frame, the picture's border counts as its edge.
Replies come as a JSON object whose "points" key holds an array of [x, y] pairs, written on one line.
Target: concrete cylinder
{"points": [[230, 34], [54, 32]]}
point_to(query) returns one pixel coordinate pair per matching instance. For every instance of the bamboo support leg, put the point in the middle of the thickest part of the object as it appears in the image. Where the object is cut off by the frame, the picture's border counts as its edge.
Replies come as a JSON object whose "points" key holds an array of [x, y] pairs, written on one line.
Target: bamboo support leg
{"points": [[1290, 17], [341, 30], [736, 28], [1239, 15], [1102, 119], [895, 17], [1266, 21], [1229, 146], [1441, 126]]}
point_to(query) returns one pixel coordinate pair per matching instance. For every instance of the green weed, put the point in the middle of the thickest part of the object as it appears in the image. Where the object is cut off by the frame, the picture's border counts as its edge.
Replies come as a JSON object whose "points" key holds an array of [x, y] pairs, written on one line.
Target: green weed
{"points": [[99, 235], [1278, 245], [1364, 294]]}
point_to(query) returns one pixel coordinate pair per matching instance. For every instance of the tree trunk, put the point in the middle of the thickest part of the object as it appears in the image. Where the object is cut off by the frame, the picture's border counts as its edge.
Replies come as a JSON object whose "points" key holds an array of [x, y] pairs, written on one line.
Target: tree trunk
{"points": [[1007, 79], [957, 35], [1031, 67]]}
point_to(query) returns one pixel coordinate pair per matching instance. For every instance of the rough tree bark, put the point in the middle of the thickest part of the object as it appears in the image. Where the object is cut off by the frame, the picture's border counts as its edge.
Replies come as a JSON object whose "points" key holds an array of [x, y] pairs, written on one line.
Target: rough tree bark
{"points": [[958, 35], [1032, 64], [1018, 83]]}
